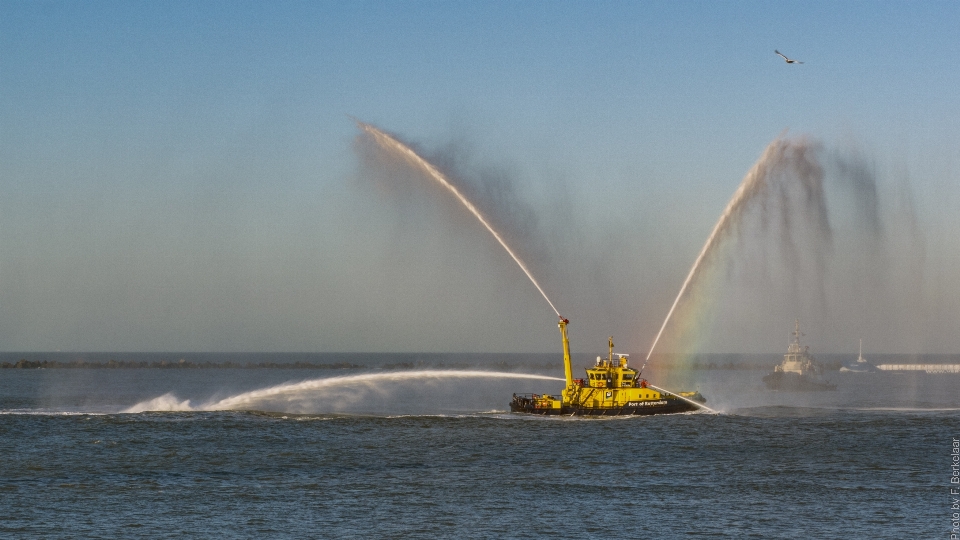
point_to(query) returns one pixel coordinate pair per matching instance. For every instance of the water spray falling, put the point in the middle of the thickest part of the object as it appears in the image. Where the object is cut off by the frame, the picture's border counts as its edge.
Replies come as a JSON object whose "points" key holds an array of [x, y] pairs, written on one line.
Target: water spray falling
{"points": [[316, 388], [390, 143], [752, 185]]}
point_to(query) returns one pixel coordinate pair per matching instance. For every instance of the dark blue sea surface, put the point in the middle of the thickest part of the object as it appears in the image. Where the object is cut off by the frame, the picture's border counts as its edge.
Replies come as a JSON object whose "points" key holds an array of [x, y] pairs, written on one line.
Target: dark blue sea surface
{"points": [[441, 458]]}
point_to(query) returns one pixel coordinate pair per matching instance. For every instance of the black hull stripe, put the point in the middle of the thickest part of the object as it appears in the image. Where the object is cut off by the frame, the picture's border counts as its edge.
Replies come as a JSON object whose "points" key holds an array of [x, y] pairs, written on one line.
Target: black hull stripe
{"points": [[607, 411]]}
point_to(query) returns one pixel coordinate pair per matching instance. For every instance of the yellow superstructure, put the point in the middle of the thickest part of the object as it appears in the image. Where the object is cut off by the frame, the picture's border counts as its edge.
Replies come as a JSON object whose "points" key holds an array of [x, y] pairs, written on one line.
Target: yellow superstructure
{"points": [[610, 387], [609, 383]]}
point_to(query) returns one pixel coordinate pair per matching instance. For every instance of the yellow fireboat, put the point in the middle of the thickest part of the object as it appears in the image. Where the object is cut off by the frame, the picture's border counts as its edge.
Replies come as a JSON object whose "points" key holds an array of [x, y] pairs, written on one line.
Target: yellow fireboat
{"points": [[611, 388]]}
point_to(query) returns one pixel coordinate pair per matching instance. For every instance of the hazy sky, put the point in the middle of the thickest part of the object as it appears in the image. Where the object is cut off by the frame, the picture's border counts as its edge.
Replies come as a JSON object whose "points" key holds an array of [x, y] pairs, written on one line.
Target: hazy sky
{"points": [[183, 176]]}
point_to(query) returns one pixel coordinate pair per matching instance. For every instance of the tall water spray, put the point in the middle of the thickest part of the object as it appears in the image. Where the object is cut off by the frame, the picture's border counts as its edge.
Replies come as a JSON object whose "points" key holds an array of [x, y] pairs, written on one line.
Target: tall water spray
{"points": [[777, 153], [400, 149]]}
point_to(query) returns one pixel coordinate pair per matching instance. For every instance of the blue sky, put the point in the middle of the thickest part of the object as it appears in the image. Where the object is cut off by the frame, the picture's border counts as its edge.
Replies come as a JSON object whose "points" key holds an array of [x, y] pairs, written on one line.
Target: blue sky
{"points": [[182, 176]]}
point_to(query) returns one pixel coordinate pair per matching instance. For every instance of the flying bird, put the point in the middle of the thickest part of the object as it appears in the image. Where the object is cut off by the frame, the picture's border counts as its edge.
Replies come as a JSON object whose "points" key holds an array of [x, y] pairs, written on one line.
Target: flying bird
{"points": [[788, 60]]}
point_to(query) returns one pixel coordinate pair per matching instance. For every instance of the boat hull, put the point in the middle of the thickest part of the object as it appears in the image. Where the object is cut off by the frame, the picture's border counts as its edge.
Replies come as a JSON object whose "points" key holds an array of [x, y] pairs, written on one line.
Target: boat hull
{"points": [[796, 382], [663, 406]]}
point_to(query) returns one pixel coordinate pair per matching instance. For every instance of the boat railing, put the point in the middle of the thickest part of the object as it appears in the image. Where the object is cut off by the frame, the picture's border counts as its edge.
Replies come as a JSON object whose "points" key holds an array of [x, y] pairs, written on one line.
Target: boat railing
{"points": [[535, 396]]}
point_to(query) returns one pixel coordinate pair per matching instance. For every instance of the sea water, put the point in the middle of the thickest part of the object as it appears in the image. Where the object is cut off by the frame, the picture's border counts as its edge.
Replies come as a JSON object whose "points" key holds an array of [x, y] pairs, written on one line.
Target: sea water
{"points": [[446, 460]]}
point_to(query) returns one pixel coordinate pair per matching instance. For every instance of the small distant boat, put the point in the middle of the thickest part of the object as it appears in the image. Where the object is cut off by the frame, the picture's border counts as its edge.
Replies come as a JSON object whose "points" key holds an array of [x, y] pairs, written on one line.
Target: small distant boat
{"points": [[861, 365], [799, 371]]}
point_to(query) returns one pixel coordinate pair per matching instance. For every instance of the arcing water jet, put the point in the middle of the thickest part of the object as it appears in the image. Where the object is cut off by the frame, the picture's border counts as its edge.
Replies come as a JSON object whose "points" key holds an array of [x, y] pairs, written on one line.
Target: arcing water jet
{"points": [[776, 155], [400, 149], [577, 397], [292, 392]]}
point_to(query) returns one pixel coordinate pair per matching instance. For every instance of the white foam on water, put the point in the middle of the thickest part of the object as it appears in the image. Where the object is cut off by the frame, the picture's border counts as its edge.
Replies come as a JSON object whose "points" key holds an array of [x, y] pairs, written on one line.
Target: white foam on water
{"points": [[166, 402]]}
